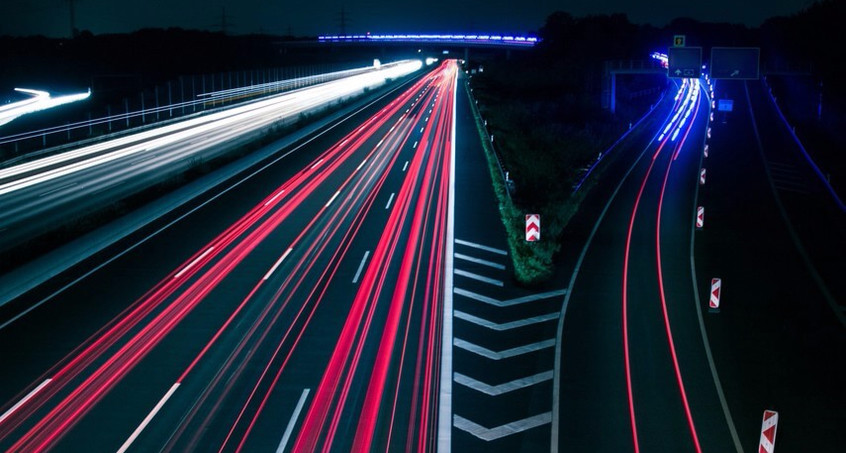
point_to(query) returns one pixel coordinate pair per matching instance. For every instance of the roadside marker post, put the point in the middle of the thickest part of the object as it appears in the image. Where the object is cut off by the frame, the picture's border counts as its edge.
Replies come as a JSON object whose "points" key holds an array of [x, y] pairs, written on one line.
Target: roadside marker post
{"points": [[700, 217], [702, 177], [769, 425], [532, 227], [714, 300], [705, 151]]}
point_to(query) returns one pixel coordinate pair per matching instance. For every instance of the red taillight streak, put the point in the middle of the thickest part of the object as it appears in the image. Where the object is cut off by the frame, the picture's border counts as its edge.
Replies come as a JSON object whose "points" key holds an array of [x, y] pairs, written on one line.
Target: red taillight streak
{"points": [[328, 387], [279, 372], [667, 328], [371, 193], [411, 258], [167, 289], [625, 299]]}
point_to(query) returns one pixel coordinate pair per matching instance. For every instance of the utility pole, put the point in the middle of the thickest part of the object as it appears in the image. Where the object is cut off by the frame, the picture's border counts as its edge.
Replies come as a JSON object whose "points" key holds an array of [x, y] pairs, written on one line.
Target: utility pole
{"points": [[343, 20], [72, 13], [224, 23]]}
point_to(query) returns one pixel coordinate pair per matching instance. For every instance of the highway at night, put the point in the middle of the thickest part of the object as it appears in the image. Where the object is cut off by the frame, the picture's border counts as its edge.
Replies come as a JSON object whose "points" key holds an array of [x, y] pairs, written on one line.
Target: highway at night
{"points": [[531, 248]]}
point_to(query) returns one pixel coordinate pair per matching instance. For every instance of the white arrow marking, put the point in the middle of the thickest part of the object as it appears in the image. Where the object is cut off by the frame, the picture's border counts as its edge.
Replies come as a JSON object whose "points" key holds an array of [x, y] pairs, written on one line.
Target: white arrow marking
{"points": [[508, 303], [505, 326], [508, 429], [506, 354], [482, 247], [496, 390], [480, 278], [480, 261]]}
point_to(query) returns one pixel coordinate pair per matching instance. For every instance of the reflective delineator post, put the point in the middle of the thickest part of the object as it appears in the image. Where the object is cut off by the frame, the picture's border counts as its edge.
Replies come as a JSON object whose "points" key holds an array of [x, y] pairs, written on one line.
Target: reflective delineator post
{"points": [[532, 227], [714, 300]]}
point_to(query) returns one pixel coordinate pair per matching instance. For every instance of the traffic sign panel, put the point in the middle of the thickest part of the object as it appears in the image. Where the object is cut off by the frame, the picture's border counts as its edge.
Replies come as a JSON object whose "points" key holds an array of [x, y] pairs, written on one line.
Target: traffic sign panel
{"points": [[678, 41], [725, 105], [740, 63], [684, 62]]}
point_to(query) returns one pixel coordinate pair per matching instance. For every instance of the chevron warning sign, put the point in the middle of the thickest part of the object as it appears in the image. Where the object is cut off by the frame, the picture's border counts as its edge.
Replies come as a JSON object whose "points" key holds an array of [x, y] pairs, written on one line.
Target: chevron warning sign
{"points": [[768, 432], [533, 227], [714, 302], [700, 217], [705, 151], [702, 177]]}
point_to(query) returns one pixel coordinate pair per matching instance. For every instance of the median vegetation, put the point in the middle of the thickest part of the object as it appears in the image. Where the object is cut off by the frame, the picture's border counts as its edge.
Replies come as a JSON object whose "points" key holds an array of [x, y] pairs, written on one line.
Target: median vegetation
{"points": [[543, 111]]}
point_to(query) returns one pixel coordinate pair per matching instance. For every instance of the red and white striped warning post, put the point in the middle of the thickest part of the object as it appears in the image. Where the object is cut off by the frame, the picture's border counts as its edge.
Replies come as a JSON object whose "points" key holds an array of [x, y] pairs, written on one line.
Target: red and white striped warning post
{"points": [[702, 177], [705, 151], [700, 217], [714, 301], [533, 227], [768, 432]]}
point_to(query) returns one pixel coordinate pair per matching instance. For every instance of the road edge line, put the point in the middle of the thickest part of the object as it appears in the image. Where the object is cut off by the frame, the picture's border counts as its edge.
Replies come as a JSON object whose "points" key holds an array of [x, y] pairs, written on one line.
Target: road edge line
{"points": [[445, 397], [705, 342]]}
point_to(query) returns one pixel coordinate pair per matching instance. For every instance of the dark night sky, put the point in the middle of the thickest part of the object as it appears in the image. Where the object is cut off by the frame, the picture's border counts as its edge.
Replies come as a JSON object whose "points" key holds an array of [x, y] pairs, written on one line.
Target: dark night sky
{"points": [[313, 17]]}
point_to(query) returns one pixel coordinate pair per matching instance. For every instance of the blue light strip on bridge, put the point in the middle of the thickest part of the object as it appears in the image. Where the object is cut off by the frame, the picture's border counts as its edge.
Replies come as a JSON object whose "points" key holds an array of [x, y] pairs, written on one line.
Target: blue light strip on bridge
{"points": [[506, 40]]}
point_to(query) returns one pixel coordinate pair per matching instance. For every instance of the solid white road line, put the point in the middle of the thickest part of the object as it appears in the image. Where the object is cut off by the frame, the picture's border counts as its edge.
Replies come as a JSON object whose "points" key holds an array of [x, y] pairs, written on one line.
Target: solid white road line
{"points": [[480, 278], [508, 429], [147, 419], [278, 262], [361, 266], [192, 263], [445, 398], [480, 261], [24, 400], [291, 423], [389, 201], [482, 247]]}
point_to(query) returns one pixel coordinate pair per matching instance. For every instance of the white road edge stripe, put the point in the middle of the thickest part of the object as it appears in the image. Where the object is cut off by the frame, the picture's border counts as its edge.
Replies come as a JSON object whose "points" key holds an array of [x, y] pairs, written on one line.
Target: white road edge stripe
{"points": [[361, 266], [480, 278], [294, 417], [389, 201], [482, 247], [147, 419], [480, 261], [445, 398], [192, 263], [278, 262], [24, 400]]}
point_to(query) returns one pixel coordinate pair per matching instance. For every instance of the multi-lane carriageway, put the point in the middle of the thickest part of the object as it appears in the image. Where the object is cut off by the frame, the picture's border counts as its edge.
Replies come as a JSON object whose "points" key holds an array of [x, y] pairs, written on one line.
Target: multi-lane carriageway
{"points": [[313, 322]]}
